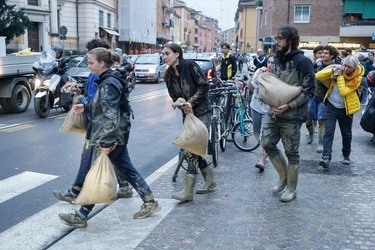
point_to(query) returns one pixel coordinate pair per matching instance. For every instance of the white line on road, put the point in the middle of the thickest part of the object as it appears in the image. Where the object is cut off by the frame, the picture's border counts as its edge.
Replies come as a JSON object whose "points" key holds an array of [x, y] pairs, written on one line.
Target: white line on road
{"points": [[18, 184]]}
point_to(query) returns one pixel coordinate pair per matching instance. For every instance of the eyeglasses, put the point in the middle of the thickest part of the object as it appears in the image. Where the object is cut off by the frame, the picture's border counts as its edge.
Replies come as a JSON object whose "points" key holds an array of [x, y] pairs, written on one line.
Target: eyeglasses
{"points": [[278, 38]]}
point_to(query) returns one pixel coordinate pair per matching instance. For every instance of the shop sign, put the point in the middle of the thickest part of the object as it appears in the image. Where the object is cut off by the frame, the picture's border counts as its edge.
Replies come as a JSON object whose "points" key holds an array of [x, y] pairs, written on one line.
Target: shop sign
{"points": [[346, 45]]}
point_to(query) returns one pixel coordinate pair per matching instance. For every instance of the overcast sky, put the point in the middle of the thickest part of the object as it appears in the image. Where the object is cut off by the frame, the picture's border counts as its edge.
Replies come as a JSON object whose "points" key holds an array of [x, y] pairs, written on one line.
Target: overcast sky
{"points": [[222, 10]]}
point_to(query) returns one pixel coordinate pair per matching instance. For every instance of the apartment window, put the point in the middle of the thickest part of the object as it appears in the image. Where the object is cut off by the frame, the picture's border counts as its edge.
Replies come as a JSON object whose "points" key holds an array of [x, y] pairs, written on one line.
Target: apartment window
{"points": [[265, 18], [101, 21], [109, 20], [302, 14], [32, 2]]}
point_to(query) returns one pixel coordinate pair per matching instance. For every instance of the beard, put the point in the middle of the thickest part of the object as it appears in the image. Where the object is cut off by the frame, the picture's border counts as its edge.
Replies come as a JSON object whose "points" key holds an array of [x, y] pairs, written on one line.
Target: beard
{"points": [[282, 51]]}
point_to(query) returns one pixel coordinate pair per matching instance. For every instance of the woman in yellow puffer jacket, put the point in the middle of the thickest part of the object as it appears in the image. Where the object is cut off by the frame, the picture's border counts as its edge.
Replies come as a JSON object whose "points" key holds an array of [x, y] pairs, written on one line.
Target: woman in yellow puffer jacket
{"points": [[341, 102]]}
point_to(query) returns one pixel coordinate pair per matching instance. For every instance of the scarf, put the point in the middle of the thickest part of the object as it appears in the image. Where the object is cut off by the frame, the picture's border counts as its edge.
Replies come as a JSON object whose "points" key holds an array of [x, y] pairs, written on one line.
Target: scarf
{"points": [[351, 80]]}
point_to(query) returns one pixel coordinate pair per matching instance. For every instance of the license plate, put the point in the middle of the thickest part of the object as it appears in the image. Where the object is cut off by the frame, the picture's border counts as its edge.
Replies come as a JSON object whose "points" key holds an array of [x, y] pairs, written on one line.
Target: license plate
{"points": [[141, 75]]}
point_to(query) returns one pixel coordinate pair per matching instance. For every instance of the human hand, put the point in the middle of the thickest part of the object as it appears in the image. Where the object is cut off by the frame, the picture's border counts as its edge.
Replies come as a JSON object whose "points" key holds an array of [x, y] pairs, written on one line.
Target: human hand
{"points": [[108, 150], [281, 109], [263, 69], [187, 108], [78, 109]]}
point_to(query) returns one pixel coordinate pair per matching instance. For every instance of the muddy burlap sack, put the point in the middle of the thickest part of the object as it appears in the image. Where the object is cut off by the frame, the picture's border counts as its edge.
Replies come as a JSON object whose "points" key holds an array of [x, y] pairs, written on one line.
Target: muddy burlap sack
{"points": [[74, 123], [100, 185], [274, 91], [328, 81], [194, 135]]}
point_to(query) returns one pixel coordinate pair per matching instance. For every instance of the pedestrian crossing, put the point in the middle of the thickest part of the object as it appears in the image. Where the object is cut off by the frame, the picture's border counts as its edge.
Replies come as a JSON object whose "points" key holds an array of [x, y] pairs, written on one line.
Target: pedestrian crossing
{"points": [[44, 230]]}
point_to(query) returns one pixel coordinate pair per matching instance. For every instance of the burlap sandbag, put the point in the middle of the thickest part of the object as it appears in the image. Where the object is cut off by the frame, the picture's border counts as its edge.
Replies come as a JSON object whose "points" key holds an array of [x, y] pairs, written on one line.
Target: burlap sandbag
{"points": [[194, 135], [75, 123], [100, 185], [328, 81], [274, 91]]}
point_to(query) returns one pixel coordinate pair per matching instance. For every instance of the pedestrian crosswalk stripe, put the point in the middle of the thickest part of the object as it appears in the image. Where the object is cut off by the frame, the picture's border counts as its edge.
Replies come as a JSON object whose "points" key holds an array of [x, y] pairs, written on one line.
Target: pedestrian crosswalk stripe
{"points": [[16, 185], [39, 230], [16, 128]]}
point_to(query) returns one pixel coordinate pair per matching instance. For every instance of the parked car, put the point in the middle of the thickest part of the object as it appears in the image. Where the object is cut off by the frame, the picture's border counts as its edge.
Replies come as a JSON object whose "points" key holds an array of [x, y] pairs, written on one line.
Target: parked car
{"points": [[133, 58], [150, 67], [210, 67], [79, 71], [74, 61]]}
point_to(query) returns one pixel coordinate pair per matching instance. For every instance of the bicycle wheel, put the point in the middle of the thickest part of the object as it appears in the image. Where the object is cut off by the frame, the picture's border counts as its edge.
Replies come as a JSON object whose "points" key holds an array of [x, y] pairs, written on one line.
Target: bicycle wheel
{"points": [[214, 141], [223, 132], [243, 136]]}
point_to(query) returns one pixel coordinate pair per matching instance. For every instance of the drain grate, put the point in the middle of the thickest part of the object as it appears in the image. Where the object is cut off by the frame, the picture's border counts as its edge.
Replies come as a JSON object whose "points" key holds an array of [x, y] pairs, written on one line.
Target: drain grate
{"points": [[335, 168]]}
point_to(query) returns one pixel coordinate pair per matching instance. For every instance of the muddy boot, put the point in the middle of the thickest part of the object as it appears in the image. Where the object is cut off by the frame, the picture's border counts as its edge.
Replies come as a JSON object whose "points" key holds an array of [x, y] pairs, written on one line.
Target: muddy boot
{"points": [[279, 163], [310, 136], [290, 192], [187, 192], [262, 160], [208, 175], [320, 140]]}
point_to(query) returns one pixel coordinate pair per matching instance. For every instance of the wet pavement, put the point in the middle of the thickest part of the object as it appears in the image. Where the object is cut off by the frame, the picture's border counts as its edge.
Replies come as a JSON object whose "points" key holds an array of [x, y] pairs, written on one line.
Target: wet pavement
{"points": [[334, 208]]}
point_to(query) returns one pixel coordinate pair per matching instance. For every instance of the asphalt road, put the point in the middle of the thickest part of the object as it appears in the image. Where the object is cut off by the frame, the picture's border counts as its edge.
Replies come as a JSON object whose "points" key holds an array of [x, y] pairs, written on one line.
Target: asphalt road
{"points": [[29, 145]]}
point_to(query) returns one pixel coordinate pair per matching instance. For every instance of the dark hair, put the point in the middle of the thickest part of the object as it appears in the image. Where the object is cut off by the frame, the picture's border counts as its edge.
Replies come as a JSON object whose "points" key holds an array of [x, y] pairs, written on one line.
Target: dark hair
{"points": [[349, 50], [372, 53], [175, 48], [344, 53], [318, 48], [97, 43], [332, 51], [225, 45], [290, 33], [106, 56]]}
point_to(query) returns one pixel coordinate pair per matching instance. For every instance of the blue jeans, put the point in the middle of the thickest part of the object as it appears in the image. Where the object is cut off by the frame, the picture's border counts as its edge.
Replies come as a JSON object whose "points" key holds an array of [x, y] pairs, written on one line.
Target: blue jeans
{"points": [[120, 157], [84, 167], [330, 116]]}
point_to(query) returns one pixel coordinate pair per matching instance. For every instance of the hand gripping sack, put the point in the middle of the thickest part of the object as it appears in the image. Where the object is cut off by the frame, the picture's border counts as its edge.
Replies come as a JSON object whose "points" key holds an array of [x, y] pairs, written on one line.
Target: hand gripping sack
{"points": [[75, 123], [194, 136], [100, 185], [274, 91]]}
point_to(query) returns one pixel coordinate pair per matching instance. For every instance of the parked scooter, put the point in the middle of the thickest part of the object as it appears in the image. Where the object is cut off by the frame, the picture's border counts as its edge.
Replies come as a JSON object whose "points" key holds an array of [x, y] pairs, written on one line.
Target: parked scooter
{"points": [[49, 80]]}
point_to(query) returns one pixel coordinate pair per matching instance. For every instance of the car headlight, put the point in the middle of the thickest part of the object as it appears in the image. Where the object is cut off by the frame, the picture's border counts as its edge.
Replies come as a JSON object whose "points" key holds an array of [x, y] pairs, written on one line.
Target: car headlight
{"points": [[152, 71]]}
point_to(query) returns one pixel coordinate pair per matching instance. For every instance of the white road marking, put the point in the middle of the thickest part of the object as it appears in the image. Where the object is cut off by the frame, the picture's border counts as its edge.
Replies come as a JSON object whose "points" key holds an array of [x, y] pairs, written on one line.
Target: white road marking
{"points": [[18, 184]]}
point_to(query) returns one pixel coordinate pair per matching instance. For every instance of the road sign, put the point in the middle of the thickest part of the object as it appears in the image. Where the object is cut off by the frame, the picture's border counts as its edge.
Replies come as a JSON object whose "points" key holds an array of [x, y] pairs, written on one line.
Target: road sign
{"points": [[63, 30], [62, 37]]}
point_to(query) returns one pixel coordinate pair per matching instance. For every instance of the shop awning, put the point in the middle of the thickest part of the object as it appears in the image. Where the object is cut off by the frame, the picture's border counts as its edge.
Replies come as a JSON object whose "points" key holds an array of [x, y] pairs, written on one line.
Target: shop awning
{"points": [[111, 32], [268, 41]]}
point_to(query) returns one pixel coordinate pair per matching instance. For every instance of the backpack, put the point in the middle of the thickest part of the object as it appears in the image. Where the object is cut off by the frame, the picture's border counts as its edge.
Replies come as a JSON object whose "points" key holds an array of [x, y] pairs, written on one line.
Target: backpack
{"points": [[368, 118]]}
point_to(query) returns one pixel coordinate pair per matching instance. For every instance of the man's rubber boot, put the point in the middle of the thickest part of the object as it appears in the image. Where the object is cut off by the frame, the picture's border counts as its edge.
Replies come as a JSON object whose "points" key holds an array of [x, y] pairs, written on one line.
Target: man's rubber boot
{"points": [[208, 175], [279, 163], [187, 192], [290, 192], [310, 136], [320, 140]]}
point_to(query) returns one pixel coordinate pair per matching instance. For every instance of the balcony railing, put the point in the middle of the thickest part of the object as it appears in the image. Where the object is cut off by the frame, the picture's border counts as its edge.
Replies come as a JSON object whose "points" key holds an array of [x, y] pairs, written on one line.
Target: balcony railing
{"points": [[165, 3], [347, 23], [165, 20], [170, 10]]}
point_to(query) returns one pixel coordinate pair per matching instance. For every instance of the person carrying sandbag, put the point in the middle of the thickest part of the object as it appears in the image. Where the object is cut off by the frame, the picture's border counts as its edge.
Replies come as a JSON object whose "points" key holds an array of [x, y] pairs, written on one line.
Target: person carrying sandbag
{"points": [[185, 79], [286, 117]]}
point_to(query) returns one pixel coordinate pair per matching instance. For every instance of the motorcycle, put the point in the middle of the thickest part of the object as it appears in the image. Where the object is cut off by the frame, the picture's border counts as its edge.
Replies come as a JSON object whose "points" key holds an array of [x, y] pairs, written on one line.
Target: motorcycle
{"points": [[48, 92], [127, 71]]}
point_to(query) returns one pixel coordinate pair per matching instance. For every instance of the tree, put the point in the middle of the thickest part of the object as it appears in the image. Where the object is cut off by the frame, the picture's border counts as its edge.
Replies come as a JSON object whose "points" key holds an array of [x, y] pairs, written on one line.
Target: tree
{"points": [[12, 23]]}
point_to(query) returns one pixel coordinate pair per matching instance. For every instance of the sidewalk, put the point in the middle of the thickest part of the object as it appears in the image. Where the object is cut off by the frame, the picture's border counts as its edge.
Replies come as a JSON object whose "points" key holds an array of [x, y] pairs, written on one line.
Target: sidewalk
{"points": [[334, 208]]}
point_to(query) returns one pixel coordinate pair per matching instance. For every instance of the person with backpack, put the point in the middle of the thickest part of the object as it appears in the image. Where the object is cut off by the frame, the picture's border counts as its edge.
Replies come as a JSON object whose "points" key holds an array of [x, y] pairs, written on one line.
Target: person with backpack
{"points": [[69, 195], [110, 114]]}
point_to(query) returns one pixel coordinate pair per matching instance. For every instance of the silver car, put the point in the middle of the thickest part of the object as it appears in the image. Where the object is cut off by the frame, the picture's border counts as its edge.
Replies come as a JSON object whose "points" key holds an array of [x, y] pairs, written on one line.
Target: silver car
{"points": [[150, 67]]}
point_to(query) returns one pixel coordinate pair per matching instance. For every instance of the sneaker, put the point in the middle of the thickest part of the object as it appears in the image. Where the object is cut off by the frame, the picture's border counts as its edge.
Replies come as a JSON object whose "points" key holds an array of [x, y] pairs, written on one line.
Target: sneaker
{"points": [[346, 160], [125, 192], [65, 195], [74, 220], [147, 209], [324, 162]]}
